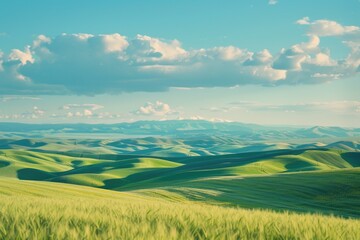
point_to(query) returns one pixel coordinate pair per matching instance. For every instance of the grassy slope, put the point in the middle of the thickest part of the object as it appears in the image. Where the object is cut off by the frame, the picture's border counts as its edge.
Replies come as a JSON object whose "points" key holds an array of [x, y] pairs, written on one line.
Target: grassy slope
{"points": [[42, 210], [253, 180], [31, 165], [167, 147], [328, 192]]}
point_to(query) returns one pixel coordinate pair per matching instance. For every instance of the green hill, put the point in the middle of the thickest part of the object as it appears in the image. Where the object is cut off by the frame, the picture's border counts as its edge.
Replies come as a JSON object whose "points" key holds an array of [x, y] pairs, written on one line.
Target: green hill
{"points": [[44, 210], [297, 180]]}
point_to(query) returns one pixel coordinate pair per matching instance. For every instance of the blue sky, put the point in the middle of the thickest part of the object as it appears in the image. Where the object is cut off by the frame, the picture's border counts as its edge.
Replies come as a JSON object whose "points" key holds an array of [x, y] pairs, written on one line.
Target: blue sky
{"points": [[267, 62]]}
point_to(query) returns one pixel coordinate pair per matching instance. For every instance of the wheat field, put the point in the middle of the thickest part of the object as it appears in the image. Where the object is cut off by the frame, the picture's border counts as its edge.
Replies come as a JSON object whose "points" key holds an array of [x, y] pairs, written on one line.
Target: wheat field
{"points": [[42, 210]]}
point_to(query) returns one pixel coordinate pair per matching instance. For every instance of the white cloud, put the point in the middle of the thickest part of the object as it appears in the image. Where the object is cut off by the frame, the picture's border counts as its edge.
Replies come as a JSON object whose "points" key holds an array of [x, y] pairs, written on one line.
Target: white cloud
{"points": [[41, 39], [326, 75], [34, 113], [325, 27], [158, 108], [298, 53], [303, 21], [78, 114], [81, 110], [322, 59], [22, 56], [259, 58], [90, 106], [306, 61], [229, 53], [18, 98], [290, 59], [87, 113], [149, 48], [273, 2], [87, 64], [312, 44], [114, 42]]}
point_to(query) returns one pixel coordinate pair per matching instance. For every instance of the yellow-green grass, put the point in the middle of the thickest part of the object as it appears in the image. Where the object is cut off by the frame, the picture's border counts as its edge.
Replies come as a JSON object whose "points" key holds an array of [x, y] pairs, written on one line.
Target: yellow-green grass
{"points": [[14, 162], [328, 192], [325, 181], [96, 175], [44, 210], [30, 165]]}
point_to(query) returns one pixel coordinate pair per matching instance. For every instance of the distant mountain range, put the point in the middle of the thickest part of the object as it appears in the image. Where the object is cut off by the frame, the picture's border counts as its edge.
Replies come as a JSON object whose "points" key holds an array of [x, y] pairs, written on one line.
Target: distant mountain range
{"points": [[180, 128]]}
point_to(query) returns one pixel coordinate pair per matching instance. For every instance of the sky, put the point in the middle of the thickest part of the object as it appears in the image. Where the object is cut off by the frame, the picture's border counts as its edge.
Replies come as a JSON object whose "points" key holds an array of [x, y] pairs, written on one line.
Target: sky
{"points": [[256, 61]]}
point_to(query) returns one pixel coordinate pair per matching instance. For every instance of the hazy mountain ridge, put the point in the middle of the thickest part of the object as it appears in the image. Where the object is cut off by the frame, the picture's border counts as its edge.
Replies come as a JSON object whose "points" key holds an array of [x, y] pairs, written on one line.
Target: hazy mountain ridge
{"points": [[180, 128], [166, 147]]}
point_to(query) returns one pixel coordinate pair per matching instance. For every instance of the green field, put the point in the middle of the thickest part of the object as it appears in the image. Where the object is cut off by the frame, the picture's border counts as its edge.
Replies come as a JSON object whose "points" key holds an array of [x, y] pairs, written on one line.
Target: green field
{"points": [[278, 194], [43, 210]]}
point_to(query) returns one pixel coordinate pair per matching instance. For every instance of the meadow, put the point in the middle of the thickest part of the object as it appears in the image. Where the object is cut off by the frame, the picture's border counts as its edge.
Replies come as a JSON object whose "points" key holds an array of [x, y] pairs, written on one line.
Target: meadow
{"points": [[43, 210], [50, 191]]}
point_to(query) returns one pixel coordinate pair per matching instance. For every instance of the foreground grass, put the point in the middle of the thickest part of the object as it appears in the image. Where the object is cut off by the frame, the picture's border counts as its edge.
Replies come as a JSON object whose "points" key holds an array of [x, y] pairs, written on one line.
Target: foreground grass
{"points": [[40, 210]]}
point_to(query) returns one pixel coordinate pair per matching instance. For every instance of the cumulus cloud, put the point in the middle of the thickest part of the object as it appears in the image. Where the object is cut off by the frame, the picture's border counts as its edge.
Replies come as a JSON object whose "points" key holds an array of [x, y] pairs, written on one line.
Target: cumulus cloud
{"points": [[148, 48], [81, 110], [77, 114], [34, 113], [306, 62], [325, 27], [303, 21], [260, 58], [22, 56], [292, 58], [87, 64], [87, 112], [158, 109]]}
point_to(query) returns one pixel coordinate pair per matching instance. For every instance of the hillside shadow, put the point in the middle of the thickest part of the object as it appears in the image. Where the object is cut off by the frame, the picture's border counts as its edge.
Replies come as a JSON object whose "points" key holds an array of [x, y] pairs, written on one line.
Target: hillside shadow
{"points": [[76, 163], [29, 143], [353, 158], [4, 164], [202, 167], [135, 178], [332, 195], [101, 156], [33, 174], [163, 177], [231, 160], [99, 167], [298, 166]]}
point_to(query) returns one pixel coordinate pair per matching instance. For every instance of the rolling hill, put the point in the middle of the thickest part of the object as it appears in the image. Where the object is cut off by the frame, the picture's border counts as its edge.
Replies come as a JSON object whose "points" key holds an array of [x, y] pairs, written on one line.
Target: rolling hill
{"points": [[42, 210], [206, 187], [298, 180], [166, 146]]}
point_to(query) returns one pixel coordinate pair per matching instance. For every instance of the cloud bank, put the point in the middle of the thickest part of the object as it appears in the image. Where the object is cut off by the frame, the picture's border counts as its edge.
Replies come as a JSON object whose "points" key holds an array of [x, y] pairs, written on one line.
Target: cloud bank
{"points": [[87, 64]]}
